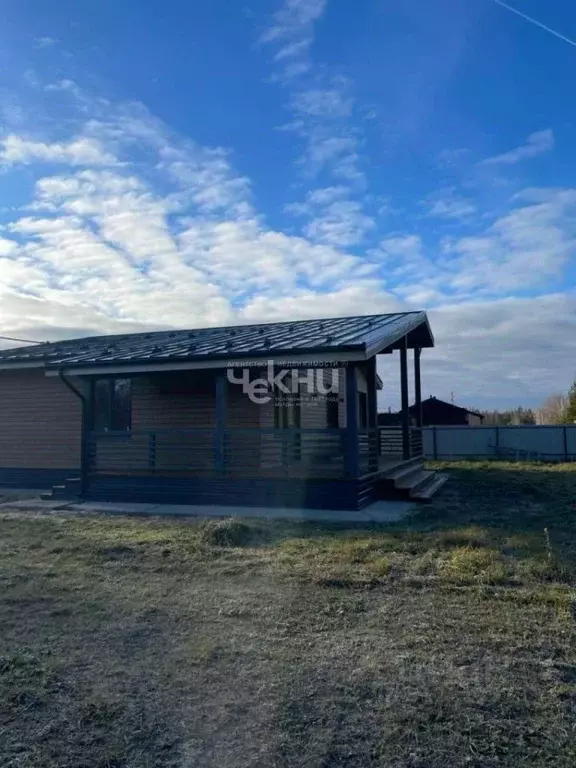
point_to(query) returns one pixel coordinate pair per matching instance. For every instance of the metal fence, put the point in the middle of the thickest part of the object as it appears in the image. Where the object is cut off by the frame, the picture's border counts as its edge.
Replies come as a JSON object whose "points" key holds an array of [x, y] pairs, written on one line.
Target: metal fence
{"points": [[524, 443]]}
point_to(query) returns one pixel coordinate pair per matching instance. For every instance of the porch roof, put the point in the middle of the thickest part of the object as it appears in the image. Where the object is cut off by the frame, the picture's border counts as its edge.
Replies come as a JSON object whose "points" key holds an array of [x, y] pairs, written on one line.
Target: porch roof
{"points": [[339, 339]]}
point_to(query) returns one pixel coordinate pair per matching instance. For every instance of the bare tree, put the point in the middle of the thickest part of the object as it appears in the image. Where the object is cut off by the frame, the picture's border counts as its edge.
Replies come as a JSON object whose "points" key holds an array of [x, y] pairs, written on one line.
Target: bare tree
{"points": [[552, 410]]}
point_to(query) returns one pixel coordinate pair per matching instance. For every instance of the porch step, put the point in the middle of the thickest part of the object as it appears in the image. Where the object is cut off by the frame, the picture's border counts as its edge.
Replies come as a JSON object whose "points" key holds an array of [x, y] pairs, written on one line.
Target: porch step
{"points": [[430, 488], [414, 481], [410, 480], [406, 470], [403, 464], [68, 491]]}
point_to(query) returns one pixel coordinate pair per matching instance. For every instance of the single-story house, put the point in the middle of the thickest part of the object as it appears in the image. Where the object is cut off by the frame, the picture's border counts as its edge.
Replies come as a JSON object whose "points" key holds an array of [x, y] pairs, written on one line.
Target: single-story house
{"points": [[282, 413], [436, 412]]}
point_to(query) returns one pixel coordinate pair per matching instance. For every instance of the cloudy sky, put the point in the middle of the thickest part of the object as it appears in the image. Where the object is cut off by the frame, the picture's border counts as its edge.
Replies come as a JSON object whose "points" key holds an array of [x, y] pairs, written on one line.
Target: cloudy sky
{"points": [[182, 164]]}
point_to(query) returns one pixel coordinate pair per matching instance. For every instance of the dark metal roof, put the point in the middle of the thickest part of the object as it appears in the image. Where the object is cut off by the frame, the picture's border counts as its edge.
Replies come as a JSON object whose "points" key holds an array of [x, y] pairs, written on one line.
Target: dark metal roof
{"points": [[433, 400], [364, 334]]}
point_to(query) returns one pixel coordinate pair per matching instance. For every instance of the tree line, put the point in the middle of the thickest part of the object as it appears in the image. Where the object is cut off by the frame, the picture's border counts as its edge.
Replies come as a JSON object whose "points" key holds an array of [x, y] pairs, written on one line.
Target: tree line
{"points": [[556, 409]]}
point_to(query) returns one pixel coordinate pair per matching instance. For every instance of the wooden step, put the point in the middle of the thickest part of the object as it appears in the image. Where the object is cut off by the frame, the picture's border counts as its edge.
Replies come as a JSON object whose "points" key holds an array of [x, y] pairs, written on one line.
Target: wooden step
{"points": [[430, 488]]}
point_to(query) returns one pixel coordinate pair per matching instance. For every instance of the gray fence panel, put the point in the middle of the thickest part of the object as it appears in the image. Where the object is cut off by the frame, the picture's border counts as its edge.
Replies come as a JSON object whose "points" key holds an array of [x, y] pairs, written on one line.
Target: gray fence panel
{"points": [[463, 442], [544, 440], [428, 442], [571, 443], [555, 443]]}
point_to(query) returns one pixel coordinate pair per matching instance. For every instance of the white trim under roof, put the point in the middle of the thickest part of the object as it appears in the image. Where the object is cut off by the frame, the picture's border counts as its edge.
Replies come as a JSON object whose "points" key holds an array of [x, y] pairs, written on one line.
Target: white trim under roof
{"points": [[17, 366], [104, 369]]}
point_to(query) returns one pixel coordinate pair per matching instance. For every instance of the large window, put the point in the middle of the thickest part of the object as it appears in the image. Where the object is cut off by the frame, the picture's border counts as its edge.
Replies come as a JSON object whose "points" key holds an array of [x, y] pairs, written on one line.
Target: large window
{"points": [[112, 405]]}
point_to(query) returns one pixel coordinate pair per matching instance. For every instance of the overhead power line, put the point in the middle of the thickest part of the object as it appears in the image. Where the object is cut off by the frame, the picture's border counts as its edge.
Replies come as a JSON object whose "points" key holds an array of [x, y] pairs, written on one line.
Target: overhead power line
{"points": [[536, 22]]}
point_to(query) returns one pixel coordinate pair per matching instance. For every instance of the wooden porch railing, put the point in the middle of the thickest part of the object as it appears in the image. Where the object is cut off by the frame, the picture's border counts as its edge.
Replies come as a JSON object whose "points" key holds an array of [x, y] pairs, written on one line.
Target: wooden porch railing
{"points": [[305, 453], [391, 441]]}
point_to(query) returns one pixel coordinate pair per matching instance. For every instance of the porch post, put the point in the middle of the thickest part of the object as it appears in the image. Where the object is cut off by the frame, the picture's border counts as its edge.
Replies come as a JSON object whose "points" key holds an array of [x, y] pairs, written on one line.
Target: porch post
{"points": [[220, 421], [417, 387], [352, 457], [404, 398], [373, 435]]}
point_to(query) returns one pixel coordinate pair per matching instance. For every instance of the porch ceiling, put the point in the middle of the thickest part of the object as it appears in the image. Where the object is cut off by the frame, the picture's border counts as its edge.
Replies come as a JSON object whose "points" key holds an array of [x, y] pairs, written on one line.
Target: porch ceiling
{"points": [[338, 339]]}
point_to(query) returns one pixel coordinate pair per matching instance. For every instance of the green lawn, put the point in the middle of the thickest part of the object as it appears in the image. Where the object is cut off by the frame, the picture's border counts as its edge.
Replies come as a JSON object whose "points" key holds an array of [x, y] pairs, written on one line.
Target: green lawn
{"points": [[447, 641]]}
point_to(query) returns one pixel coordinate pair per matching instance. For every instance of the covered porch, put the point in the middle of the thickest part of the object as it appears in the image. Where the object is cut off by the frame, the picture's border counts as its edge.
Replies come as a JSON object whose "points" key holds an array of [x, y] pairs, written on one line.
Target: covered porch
{"points": [[198, 436]]}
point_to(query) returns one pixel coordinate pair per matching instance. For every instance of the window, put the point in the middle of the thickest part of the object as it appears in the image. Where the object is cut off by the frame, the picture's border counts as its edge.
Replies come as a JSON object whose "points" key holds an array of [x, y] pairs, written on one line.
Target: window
{"points": [[112, 405]]}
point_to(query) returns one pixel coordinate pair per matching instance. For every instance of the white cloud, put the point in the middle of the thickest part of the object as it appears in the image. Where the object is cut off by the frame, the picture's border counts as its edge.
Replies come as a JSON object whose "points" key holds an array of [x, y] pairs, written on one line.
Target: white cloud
{"points": [[103, 245], [46, 42], [361, 298], [331, 152], [207, 176], [292, 30], [402, 246], [451, 208], [528, 246], [503, 350], [323, 102], [170, 236], [536, 144], [333, 219], [80, 151]]}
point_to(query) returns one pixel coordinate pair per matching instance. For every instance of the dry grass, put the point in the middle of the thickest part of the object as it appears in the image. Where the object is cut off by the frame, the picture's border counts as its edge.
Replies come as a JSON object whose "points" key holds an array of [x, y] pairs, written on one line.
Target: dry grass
{"points": [[448, 641]]}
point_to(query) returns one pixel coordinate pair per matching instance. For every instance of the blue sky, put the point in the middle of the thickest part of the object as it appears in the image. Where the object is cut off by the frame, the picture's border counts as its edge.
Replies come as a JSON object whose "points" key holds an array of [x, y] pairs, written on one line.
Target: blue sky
{"points": [[181, 164]]}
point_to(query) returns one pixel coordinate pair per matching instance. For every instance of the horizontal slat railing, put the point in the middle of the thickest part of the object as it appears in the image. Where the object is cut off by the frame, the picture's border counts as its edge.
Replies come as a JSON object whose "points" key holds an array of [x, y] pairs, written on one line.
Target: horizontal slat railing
{"points": [[391, 440], [368, 450], [314, 453], [416, 444]]}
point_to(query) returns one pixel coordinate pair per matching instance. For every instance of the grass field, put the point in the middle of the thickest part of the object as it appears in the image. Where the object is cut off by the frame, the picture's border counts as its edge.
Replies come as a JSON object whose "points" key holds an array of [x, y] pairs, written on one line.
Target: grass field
{"points": [[447, 641]]}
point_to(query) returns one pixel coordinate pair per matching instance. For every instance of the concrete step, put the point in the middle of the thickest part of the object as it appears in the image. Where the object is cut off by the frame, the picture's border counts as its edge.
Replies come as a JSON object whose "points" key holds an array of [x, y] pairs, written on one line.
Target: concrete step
{"points": [[405, 468], [429, 489], [415, 480], [59, 492], [408, 478]]}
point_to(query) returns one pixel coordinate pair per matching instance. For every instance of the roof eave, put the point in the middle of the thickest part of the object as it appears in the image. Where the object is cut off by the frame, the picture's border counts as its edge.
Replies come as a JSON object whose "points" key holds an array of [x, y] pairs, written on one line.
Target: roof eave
{"points": [[22, 364], [314, 359], [420, 319]]}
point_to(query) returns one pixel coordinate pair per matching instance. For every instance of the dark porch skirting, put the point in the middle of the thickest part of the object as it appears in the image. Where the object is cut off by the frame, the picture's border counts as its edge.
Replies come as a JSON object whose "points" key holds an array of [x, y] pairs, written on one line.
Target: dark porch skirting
{"points": [[14, 477], [253, 492]]}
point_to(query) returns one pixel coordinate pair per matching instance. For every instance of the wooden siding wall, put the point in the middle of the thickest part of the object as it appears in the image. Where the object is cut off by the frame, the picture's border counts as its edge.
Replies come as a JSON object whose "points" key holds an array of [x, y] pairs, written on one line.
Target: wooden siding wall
{"points": [[184, 401], [187, 401], [40, 421]]}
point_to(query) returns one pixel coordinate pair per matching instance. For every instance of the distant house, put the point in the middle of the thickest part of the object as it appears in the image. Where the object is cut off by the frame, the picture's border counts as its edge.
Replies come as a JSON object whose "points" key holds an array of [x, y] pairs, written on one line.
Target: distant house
{"points": [[436, 412]]}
